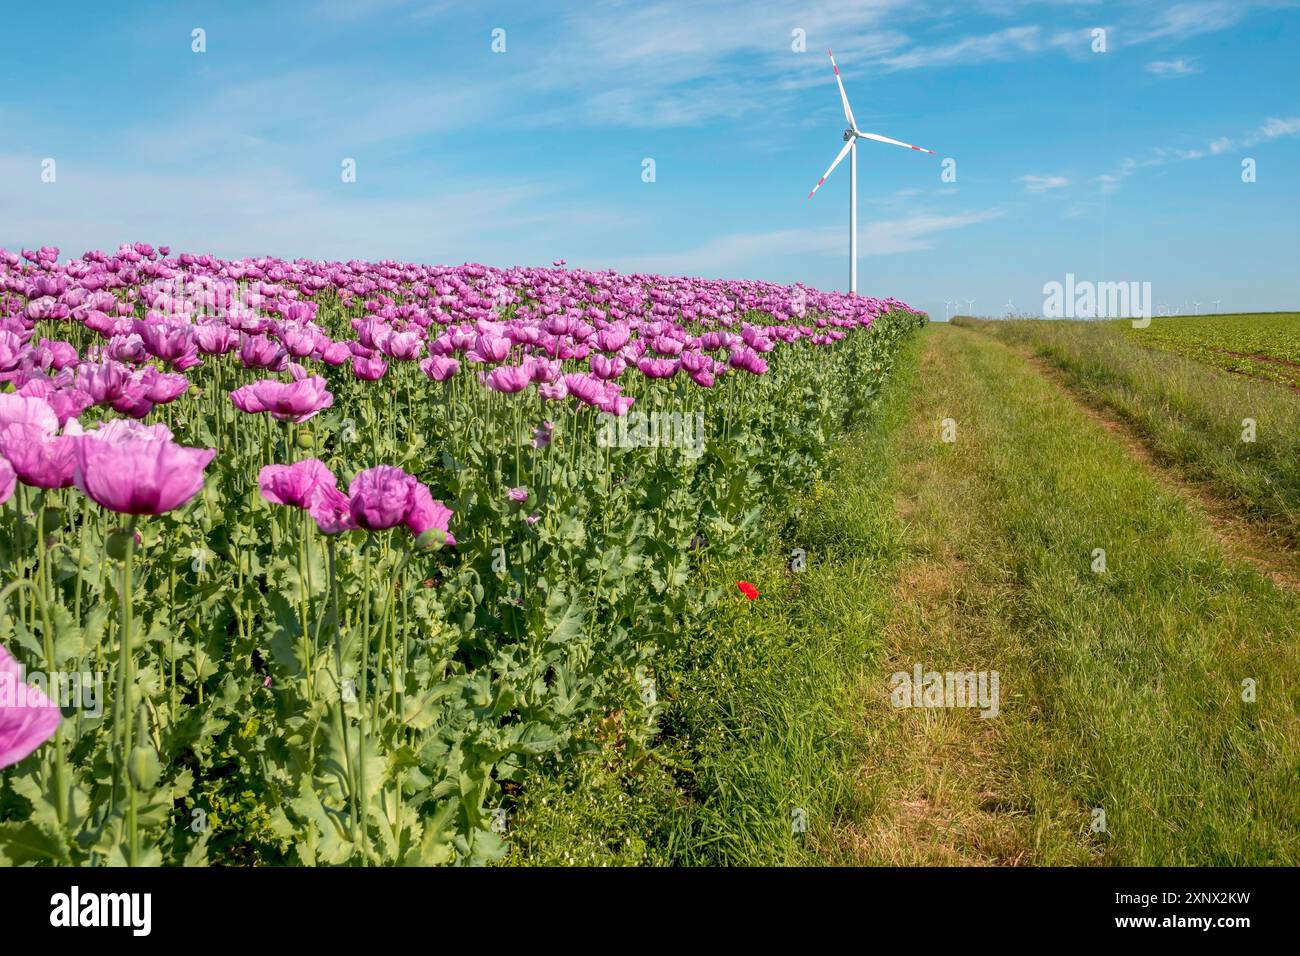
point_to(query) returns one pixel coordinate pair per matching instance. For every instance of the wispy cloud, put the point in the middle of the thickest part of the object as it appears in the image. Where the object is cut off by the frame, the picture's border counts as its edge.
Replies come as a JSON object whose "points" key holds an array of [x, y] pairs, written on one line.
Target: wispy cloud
{"points": [[1005, 44], [264, 211], [742, 253], [1179, 67], [1271, 129], [1184, 20], [1042, 184]]}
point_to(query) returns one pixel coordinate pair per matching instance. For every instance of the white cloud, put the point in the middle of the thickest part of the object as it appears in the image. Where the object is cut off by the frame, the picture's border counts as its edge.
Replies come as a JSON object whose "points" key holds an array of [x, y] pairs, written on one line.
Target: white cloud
{"points": [[1179, 67], [1042, 184], [740, 253], [1002, 45], [263, 211], [1184, 20], [1271, 129]]}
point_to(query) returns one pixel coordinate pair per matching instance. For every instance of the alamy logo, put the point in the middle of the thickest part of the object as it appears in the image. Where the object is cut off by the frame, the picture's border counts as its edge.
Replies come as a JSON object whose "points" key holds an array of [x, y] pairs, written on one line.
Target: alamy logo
{"points": [[83, 690], [133, 910], [654, 430], [947, 689], [1098, 300]]}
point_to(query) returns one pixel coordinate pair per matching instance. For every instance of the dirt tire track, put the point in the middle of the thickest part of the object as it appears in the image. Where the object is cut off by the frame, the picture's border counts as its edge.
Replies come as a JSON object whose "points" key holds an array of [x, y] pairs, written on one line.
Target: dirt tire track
{"points": [[1268, 553]]}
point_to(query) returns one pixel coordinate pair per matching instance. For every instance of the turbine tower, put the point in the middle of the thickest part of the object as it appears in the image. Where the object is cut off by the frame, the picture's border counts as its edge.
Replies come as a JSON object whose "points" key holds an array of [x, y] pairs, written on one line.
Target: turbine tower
{"points": [[851, 137]]}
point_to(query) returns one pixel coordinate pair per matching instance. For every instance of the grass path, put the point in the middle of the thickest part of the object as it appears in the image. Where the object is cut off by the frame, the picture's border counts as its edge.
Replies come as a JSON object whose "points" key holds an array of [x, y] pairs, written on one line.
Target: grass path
{"points": [[1121, 690], [1268, 552]]}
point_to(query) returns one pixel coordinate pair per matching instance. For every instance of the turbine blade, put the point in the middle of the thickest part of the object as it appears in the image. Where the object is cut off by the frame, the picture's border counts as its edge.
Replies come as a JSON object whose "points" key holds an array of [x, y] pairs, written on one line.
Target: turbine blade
{"points": [[844, 152], [844, 97], [894, 142]]}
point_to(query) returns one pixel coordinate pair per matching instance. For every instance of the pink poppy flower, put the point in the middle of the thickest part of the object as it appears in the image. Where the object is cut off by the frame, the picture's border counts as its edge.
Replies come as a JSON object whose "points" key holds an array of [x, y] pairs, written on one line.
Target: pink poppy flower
{"points": [[380, 497], [295, 485], [8, 480], [368, 369], [507, 378], [27, 717], [137, 471], [332, 511], [425, 512], [286, 401], [439, 367]]}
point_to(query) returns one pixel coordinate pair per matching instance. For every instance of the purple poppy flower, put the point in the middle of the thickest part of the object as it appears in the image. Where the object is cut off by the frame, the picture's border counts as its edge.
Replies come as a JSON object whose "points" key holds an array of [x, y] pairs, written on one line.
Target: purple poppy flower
{"points": [[103, 382], [748, 361], [585, 388], [368, 369], [613, 338], [658, 367], [507, 378], [286, 401], [606, 367], [136, 471], [215, 338], [403, 346], [295, 485], [332, 511], [8, 480], [258, 351], [172, 342], [380, 497], [439, 368], [519, 495], [554, 391], [161, 387], [298, 342], [489, 347], [425, 512], [37, 455], [333, 353]]}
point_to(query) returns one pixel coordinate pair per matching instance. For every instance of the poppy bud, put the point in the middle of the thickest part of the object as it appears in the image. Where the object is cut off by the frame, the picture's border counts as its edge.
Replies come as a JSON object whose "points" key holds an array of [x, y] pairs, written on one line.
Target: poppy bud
{"points": [[118, 542]]}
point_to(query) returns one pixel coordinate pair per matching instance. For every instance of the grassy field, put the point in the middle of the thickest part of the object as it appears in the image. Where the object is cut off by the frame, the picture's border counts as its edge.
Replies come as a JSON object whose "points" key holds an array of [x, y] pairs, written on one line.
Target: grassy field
{"points": [[1264, 346], [1121, 689], [1238, 436]]}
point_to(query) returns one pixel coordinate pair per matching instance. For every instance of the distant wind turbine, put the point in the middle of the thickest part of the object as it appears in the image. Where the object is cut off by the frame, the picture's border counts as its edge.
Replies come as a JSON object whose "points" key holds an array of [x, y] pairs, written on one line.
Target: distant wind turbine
{"points": [[1196, 307], [970, 306], [851, 137], [1011, 307], [1216, 306], [947, 303]]}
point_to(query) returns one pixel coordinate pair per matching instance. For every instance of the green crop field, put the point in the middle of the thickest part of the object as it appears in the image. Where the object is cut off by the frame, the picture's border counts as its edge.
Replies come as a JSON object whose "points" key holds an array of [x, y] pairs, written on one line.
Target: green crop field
{"points": [[1261, 345]]}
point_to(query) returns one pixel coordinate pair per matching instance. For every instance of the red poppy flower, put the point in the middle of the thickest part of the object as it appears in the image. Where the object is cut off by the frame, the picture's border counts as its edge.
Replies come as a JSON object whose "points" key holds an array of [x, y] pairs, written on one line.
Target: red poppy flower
{"points": [[747, 589]]}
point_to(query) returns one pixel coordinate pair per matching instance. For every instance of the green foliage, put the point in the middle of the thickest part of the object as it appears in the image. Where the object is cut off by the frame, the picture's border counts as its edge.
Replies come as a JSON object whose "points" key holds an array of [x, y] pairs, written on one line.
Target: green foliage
{"points": [[273, 698]]}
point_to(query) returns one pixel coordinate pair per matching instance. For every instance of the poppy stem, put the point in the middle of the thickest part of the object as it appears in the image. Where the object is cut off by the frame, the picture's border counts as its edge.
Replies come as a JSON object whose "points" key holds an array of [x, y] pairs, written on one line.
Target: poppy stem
{"points": [[126, 683]]}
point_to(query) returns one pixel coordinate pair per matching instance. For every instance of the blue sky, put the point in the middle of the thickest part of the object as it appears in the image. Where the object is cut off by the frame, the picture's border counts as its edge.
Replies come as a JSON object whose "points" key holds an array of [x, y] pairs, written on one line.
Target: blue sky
{"points": [[1123, 165]]}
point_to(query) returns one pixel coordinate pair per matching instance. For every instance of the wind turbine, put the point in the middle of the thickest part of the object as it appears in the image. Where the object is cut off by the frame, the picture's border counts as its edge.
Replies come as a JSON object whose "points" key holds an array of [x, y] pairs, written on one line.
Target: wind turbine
{"points": [[1196, 307], [1011, 307], [851, 137], [946, 304], [970, 306], [1216, 306]]}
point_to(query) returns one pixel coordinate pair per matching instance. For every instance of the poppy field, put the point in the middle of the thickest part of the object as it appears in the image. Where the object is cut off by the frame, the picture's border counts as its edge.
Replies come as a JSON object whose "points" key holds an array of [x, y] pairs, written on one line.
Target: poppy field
{"points": [[304, 562]]}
